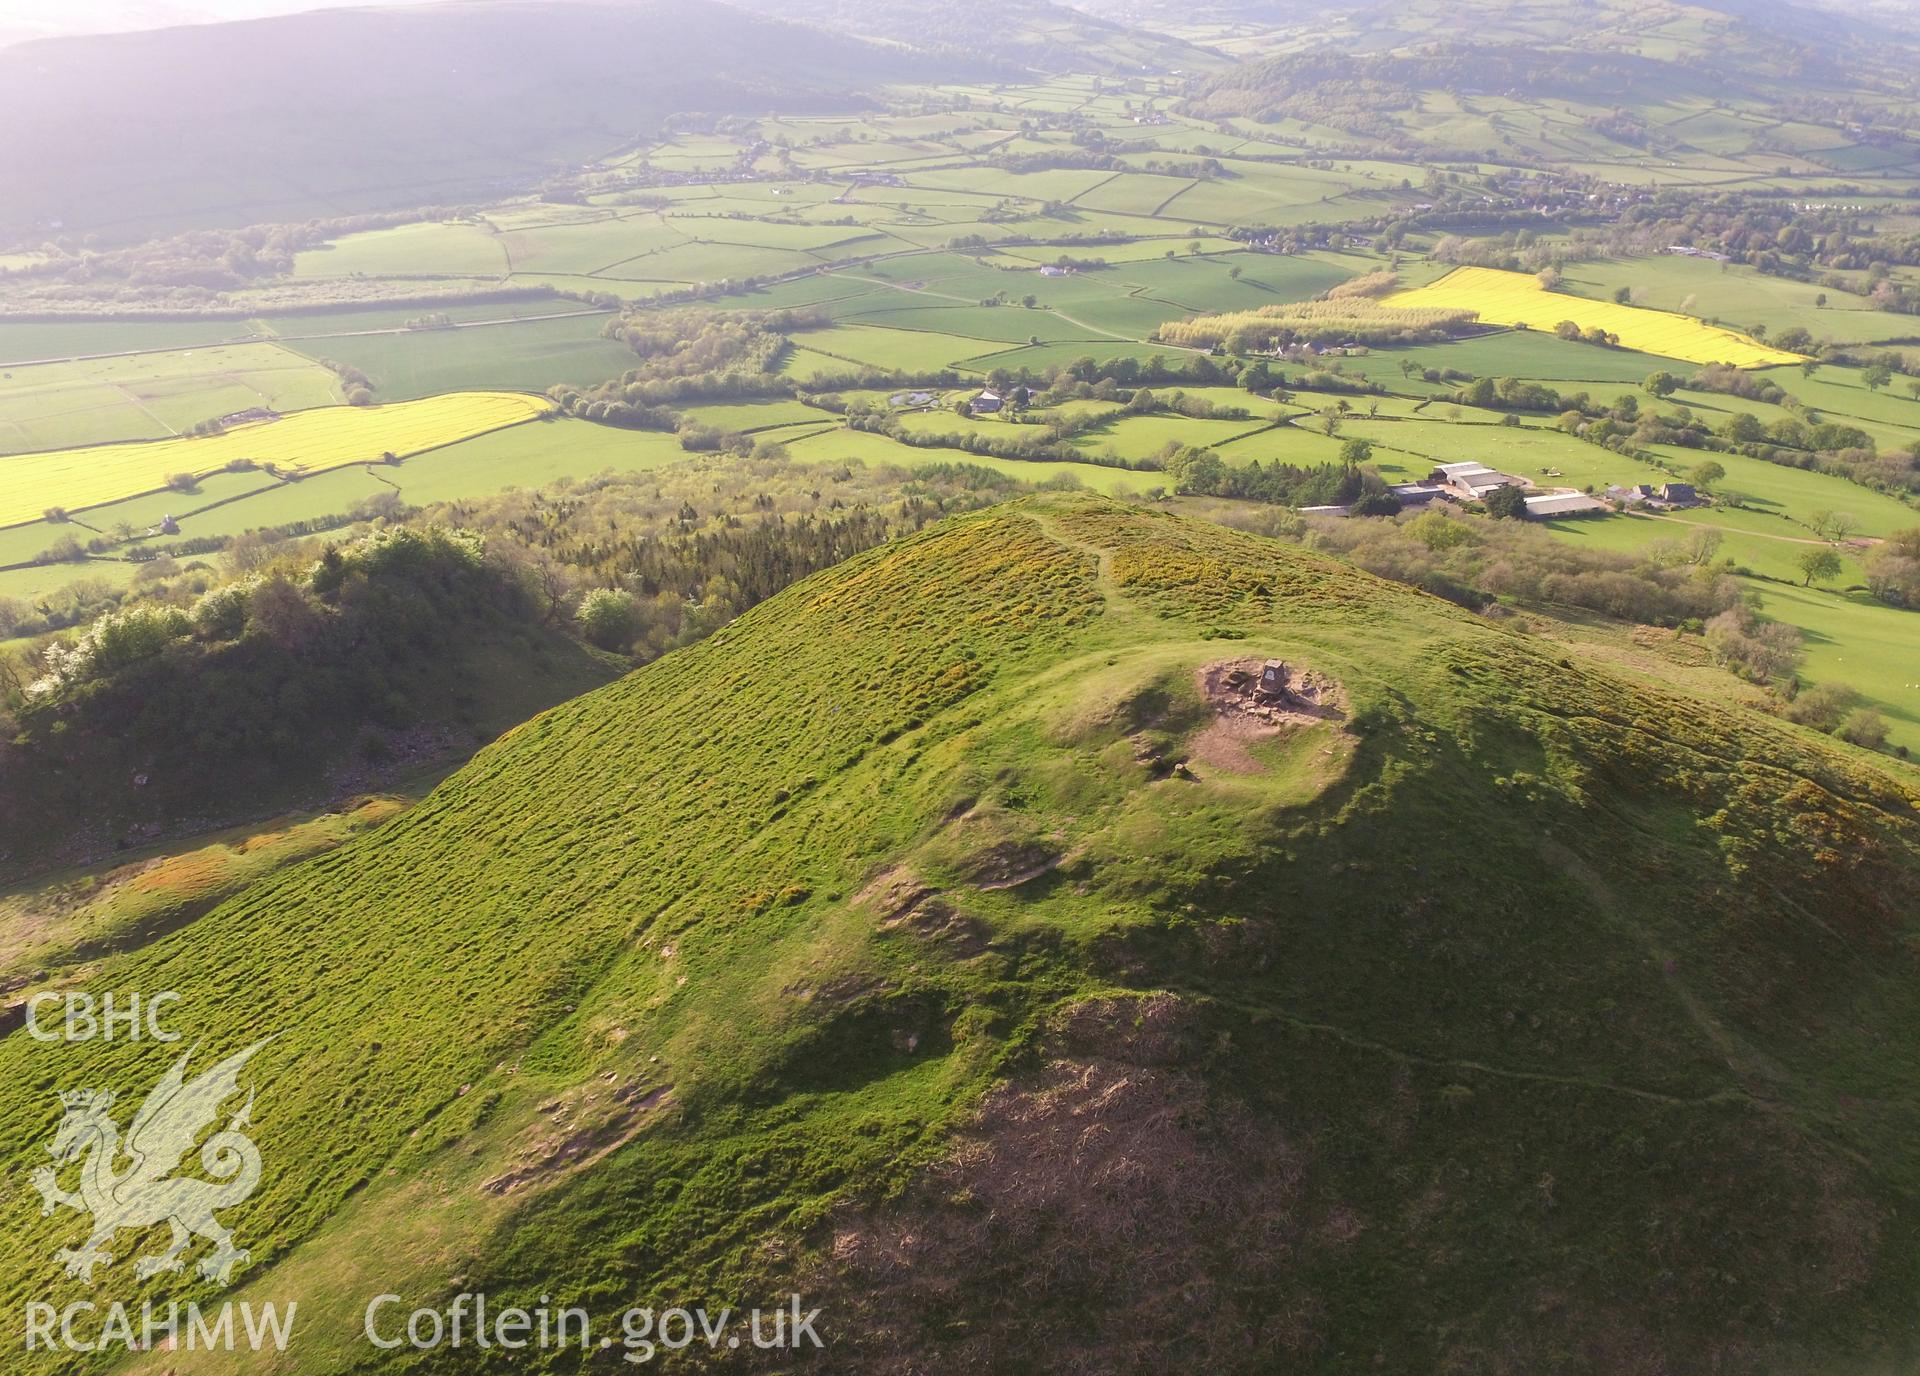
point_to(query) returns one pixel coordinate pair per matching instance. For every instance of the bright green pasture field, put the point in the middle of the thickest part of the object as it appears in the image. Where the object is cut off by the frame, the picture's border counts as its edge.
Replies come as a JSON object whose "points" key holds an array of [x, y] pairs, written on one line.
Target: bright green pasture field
{"points": [[1537, 355], [1129, 299], [1295, 184], [838, 446], [1260, 408], [505, 219], [1140, 250], [1037, 358], [935, 266], [1851, 639], [1383, 367], [307, 324], [724, 229], [528, 356], [709, 262], [913, 350], [34, 583], [818, 290], [1848, 637], [1798, 493], [1134, 193], [18, 544], [1010, 324], [1840, 394], [134, 515], [630, 291], [1715, 407], [943, 421], [1085, 220], [1236, 203], [1754, 542], [1408, 408], [418, 250], [529, 456], [1285, 444], [1140, 437], [694, 149], [149, 396], [1060, 184], [746, 416], [29, 341], [1736, 295], [905, 230], [133, 518], [333, 493], [748, 198], [829, 156], [589, 246], [1207, 283]]}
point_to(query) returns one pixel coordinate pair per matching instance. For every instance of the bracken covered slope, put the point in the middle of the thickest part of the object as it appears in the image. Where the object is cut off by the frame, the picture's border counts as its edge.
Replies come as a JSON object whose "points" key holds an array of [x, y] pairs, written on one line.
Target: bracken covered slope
{"points": [[947, 940]]}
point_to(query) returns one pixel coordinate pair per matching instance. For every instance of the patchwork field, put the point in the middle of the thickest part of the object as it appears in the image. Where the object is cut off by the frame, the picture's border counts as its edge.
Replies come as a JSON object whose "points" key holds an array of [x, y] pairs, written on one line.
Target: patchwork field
{"points": [[852, 347], [522, 356], [305, 442], [1514, 298], [151, 395], [1735, 293]]}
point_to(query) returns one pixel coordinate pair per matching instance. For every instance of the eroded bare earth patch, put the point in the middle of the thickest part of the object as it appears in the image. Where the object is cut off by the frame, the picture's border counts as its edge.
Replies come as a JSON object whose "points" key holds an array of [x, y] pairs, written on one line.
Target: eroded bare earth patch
{"points": [[1245, 712]]}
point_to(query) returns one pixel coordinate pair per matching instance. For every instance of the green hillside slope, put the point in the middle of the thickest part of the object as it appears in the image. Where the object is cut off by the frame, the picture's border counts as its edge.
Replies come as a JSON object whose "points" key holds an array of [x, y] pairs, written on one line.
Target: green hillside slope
{"points": [[947, 941]]}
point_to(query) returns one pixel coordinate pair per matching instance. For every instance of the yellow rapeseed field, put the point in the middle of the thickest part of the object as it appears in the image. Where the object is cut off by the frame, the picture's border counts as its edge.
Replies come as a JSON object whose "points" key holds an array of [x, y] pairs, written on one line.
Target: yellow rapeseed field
{"points": [[1515, 298], [304, 442]]}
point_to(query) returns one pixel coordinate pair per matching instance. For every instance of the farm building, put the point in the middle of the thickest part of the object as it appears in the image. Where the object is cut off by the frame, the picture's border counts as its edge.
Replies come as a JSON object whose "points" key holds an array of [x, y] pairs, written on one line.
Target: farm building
{"points": [[1472, 481], [1416, 494], [1326, 510], [1679, 494], [1566, 504], [1054, 270], [988, 402]]}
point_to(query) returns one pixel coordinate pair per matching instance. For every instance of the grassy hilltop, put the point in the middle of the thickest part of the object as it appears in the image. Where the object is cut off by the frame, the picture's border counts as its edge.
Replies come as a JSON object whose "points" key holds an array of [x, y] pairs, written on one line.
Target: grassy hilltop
{"points": [[929, 942]]}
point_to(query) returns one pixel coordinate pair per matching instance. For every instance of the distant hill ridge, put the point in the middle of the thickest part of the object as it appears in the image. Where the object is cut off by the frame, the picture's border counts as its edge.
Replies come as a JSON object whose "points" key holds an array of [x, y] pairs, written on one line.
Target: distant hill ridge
{"points": [[337, 111]]}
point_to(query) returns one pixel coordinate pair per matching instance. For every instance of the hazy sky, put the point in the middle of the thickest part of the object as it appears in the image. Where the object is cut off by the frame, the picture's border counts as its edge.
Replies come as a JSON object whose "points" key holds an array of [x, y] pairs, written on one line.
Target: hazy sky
{"points": [[39, 18]]}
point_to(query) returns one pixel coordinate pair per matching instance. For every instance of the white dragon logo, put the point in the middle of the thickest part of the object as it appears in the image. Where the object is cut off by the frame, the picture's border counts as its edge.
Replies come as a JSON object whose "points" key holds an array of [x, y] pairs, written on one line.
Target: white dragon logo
{"points": [[163, 1131]]}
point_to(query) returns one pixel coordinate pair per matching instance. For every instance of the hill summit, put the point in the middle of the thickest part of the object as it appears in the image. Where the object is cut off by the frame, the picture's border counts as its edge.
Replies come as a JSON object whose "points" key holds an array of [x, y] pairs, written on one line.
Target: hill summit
{"points": [[975, 941]]}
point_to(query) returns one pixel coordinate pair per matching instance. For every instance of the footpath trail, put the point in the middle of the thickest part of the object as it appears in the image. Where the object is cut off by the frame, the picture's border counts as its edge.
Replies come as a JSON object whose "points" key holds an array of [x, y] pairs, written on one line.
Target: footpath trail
{"points": [[1758, 534]]}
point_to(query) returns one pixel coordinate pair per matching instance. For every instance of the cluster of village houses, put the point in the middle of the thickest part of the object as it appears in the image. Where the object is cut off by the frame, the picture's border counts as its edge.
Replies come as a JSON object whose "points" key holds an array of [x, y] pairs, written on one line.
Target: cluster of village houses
{"points": [[1474, 482]]}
